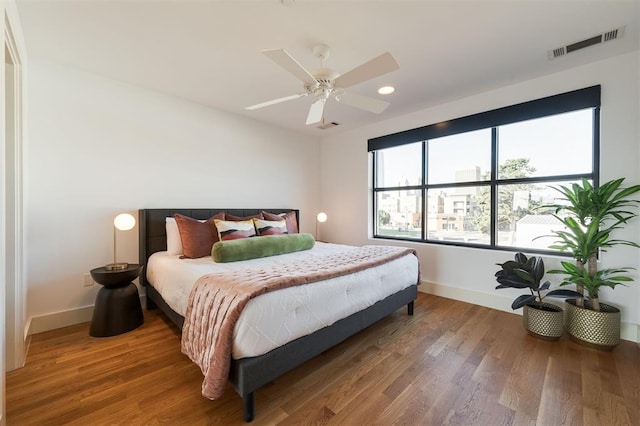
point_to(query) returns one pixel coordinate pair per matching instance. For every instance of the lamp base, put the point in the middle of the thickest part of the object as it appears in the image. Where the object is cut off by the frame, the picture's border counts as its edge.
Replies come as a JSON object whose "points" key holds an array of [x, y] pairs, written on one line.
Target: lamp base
{"points": [[116, 266]]}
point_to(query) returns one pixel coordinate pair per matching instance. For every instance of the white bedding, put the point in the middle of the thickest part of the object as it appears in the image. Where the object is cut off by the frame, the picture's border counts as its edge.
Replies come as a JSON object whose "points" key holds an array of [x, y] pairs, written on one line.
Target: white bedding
{"points": [[273, 319]]}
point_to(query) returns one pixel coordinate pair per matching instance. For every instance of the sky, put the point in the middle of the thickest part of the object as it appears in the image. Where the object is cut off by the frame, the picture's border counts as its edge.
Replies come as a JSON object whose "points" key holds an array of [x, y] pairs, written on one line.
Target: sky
{"points": [[555, 145]]}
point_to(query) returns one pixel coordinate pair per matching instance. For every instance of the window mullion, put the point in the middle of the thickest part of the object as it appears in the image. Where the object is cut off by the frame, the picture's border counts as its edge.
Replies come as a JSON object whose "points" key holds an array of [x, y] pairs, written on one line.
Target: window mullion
{"points": [[425, 201], [596, 147], [493, 226], [374, 201]]}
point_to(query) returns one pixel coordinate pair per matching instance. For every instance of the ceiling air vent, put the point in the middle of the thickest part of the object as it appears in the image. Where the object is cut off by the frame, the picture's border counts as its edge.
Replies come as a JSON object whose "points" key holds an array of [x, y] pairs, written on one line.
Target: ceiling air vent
{"points": [[328, 125], [591, 41]]}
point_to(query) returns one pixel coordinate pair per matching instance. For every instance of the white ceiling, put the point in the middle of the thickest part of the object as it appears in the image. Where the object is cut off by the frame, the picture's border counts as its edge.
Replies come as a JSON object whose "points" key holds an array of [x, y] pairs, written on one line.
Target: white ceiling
{"points": [[209, 51]]}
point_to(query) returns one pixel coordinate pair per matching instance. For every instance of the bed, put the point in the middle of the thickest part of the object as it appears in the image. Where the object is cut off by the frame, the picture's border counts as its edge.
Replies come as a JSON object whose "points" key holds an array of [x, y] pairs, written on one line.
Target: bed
{"points": [[249, 373]]}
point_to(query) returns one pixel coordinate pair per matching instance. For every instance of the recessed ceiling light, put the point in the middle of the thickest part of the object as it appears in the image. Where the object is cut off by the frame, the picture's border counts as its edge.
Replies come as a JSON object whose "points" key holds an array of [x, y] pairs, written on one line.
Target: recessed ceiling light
{"points": [[386, 90]]}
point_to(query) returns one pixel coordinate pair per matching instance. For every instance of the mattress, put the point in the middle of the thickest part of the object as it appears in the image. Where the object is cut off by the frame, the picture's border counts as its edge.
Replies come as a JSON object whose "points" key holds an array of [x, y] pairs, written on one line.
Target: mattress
{"points": [[276, 318]]}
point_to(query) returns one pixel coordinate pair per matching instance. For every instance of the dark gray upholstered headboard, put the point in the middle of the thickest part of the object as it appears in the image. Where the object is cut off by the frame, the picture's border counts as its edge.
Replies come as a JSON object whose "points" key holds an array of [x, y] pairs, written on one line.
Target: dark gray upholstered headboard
{"points": [[152, 232]]}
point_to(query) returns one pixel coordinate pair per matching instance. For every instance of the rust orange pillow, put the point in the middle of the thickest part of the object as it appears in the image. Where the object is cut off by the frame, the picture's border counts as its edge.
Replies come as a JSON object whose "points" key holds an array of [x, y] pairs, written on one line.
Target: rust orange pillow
{"points": [[197, 237]]}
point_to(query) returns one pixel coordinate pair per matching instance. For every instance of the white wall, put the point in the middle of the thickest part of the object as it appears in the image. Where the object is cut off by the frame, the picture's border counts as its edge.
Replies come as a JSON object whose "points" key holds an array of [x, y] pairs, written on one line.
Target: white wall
{"points": [[468, 273], [99, 147]]}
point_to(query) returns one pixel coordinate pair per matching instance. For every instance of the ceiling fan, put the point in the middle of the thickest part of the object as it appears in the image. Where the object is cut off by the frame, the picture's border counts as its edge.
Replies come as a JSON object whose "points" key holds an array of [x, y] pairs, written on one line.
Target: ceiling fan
{"points": [[325, 83]]}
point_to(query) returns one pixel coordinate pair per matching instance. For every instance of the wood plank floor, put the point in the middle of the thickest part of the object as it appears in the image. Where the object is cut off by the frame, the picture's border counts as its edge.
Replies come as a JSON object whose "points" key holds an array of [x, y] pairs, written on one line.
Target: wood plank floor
{"points": [[451, 363]]}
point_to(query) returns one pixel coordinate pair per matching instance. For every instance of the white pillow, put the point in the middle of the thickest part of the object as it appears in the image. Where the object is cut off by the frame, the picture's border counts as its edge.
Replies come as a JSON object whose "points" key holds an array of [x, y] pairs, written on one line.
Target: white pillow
{"points": [[174, 243]]}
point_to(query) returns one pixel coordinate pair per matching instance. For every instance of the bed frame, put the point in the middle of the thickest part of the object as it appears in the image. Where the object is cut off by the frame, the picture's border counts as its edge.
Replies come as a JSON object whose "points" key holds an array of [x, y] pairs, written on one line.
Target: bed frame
{"points": [[249, 374]]}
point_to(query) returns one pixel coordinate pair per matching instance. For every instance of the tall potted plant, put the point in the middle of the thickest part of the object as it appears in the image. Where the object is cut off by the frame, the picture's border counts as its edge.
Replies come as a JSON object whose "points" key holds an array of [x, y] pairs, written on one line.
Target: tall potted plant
{"points": [[590, 216], [540, 319]]}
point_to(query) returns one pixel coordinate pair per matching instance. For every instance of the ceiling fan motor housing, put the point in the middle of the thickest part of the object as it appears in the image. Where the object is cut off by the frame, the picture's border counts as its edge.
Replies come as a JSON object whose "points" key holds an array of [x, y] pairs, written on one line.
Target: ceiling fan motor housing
{"points": [[325, 78]]}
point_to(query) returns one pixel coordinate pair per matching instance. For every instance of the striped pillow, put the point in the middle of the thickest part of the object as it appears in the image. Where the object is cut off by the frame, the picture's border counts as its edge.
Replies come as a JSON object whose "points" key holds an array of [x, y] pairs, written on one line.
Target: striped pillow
{"points": [[289, 217], [270, 227], [232, 230]]}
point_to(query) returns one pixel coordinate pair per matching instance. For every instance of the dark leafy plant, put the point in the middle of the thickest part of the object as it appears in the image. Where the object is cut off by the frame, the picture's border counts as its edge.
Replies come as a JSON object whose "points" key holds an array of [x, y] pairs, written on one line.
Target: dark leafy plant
{"points": [[523, 272]]}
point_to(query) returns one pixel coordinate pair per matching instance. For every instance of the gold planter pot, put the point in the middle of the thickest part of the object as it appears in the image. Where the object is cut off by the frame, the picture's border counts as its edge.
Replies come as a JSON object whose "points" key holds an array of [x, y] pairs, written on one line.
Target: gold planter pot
{"points": [[596, 329], [543, 320]]}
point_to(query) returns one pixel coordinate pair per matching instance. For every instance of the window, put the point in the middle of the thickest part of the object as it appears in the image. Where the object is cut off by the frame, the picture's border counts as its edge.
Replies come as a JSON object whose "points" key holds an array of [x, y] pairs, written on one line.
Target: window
{"points": [[483, 180]]}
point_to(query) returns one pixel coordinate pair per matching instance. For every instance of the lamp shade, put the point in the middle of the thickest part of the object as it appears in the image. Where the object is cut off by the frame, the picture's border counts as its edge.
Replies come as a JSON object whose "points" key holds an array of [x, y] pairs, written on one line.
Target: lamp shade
{"points": [[320, 218], [124, 221]]}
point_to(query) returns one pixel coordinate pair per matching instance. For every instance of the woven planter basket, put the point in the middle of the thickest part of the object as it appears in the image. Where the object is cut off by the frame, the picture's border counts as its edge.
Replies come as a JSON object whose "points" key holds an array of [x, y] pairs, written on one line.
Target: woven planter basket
{"points": [[596, 329], [544, 324]]}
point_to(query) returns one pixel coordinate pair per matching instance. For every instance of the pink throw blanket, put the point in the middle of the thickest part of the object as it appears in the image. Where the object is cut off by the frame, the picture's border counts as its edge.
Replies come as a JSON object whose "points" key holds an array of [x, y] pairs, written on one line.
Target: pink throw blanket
{"points": [[217, 300]]}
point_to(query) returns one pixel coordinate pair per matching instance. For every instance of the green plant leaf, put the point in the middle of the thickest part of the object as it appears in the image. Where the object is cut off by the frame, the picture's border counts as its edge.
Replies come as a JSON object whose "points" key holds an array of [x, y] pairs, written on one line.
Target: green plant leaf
{"points": [[562, 294], [621, 278], [520, 301], [510, 265], [520, 258], [525, 275], [510, 282], [538, 269]]}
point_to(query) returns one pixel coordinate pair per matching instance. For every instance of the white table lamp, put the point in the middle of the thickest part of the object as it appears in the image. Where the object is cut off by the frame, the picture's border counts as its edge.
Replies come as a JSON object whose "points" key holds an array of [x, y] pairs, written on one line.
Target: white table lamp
{"points": [[122, 222], [320, 218]]}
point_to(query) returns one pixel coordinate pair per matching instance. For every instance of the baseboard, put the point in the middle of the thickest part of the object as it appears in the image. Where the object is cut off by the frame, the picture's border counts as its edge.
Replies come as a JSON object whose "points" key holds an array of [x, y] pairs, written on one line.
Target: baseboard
{"points": [[42, 323], [628, 331], [53, 321], [497, 301]]}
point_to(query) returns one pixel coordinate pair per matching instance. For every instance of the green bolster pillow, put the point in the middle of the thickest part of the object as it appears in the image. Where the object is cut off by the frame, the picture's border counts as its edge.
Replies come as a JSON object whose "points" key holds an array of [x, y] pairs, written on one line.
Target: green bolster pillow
{"points": [[256, 247]]}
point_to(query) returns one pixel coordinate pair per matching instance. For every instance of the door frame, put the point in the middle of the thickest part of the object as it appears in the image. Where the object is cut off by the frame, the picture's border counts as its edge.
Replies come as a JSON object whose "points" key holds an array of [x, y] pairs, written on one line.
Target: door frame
{"points": [[14, 203], [12, 223]]}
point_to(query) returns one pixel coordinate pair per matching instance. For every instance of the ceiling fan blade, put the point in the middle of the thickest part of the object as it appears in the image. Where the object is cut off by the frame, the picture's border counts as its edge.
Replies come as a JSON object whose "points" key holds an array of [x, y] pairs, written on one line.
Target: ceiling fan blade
{"points": [[316, 111], [286, 61], [363, 102], [376, 67], [276, 101]]}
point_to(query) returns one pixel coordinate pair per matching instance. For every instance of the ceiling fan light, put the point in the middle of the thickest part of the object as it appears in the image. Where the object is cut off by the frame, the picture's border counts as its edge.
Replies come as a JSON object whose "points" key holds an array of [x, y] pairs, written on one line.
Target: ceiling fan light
{"points": [[386, 90]]}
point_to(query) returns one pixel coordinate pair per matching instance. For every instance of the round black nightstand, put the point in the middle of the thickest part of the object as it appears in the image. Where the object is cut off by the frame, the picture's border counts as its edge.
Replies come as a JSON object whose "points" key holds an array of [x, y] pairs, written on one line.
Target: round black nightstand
{"points": [[117, 309]]}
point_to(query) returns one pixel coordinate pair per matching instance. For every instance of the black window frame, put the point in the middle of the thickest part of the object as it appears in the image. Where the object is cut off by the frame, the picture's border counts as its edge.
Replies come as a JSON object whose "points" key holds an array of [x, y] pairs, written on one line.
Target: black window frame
{"points": [[589, 97]]}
